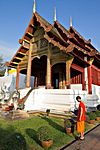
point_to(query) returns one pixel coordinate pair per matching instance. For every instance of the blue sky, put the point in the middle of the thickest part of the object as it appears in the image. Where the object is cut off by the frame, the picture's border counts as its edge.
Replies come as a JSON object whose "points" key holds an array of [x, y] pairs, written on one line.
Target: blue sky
{"points": [[16, 14]]}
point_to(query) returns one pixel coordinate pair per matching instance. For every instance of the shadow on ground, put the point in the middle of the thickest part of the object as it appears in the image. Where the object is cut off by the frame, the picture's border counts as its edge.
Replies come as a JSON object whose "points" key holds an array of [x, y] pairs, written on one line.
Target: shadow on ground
{"points": [[33, 134], [54, 124], [10, 139]]}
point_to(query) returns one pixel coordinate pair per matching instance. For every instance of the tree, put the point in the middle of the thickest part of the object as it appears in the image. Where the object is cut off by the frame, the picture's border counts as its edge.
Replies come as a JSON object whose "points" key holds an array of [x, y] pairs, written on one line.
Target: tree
{"points": [[2, 66]]}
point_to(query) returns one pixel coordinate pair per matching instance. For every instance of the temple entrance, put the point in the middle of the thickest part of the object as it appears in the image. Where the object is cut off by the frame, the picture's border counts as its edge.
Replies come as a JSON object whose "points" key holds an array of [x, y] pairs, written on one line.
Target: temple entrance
{"points": [[56, 80], [39, 71], [76, 76], [59, 75]]}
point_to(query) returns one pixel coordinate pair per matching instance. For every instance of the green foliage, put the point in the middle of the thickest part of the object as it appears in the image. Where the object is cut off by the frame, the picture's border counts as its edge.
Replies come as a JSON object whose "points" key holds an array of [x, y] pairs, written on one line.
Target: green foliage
{"points": [[97, 113], [87, 118], [68, 123], [15, 141], [44, 133], [92, 116]]}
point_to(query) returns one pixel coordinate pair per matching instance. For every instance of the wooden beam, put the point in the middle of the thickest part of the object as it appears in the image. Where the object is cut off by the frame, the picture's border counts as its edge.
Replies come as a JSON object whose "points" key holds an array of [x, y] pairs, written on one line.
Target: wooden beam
{"points": [[22, 53], [14, 62], [25, 47], [76, 67], [23, 62], [13, 66], [18, 58], [27, 41], [22, 68], [30, 34], [32, 25]]}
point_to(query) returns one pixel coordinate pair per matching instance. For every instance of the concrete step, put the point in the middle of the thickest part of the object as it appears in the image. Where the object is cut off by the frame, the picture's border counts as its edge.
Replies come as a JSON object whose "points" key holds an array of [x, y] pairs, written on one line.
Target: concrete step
{"points": [[92, 100], [60, 108], [15, 114]]}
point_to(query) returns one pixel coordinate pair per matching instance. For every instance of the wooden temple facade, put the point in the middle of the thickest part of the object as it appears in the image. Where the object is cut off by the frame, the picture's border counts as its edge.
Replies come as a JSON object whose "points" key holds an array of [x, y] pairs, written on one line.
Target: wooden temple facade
{"points": [[56, 57]]}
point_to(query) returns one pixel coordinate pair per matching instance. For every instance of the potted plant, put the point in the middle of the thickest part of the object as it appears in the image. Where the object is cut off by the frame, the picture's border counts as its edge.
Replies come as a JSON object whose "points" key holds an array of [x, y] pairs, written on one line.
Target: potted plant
{"points": [[45, 137], [97, 115], [48, 112], [92, 117], [68, 126]]}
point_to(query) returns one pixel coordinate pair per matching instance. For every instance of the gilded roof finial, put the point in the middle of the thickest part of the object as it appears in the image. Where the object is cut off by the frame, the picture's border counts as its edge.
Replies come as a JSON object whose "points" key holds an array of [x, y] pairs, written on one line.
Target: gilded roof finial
{"points": [[70, 21], [55, 14], [34, 7]]}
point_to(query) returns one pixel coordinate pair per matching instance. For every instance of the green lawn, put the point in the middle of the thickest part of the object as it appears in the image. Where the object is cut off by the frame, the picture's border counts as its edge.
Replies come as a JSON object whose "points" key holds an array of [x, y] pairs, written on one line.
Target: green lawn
{"points": [[22, 134]]}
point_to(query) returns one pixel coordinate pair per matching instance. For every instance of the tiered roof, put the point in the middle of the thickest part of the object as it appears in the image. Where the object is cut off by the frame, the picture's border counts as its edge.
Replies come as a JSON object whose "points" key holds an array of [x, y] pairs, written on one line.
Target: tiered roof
{"points": [[69, 41]]}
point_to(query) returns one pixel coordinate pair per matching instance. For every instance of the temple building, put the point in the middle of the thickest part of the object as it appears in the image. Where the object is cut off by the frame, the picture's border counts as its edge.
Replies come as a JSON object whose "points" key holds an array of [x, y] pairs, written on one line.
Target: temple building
{"points": [[57, 57]]}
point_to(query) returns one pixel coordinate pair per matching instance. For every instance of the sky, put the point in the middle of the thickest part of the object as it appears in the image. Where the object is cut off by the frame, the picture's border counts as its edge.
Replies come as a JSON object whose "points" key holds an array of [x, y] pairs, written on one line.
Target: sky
{"points": [[16, 14]]}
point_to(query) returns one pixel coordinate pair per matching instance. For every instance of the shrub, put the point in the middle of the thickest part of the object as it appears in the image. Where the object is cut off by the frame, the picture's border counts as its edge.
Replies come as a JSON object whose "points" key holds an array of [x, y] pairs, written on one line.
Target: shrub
{"points": [[92, 116], [68, 123], [44, 133], [87, 118], [97, 113], [47, 111]]}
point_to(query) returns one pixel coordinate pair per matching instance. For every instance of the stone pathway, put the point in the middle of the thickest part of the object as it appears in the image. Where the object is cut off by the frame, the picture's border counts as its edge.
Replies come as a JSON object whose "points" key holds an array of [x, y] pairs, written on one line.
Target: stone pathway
{"points": [[91, 142]]}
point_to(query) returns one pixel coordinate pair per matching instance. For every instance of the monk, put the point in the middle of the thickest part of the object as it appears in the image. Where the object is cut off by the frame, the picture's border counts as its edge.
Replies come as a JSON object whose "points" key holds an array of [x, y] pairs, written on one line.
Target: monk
{"points": [[81, 118]]}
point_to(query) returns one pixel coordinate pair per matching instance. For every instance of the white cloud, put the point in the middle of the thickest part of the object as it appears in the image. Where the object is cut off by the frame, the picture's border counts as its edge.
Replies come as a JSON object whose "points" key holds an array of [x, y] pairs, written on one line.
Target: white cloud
{"points": [[7, 50]]}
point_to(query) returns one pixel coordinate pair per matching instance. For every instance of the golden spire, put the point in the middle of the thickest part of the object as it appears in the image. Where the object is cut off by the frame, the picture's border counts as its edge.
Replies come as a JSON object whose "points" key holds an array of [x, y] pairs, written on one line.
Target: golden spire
{"points": [[70, 21], [55, 14], [34, 7]]}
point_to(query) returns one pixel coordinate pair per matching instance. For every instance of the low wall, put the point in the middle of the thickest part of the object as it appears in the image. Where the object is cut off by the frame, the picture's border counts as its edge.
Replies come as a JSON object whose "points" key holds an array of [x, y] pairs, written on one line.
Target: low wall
{"points": [[96, 90], [55, 99]]}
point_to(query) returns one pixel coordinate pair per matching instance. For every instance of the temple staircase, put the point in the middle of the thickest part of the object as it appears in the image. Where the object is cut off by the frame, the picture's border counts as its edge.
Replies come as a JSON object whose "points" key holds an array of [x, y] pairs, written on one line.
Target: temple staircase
{"points": [[14, 114], [92, 102], [19, 114]]}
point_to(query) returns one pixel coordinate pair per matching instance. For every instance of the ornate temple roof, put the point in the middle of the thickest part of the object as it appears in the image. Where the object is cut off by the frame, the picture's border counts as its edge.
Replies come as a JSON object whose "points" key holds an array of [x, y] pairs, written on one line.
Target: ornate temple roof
{"points": [[69, 41]]}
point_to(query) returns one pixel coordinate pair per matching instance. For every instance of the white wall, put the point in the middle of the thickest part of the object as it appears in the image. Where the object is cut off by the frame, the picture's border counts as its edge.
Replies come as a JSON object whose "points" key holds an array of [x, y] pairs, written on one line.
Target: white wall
{"points": [[55, 99], [76, 86], [96, 90]]}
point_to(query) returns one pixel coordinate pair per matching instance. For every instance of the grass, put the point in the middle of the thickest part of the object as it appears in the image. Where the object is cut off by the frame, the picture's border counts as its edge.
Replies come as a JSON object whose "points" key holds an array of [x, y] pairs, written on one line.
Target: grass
{"points": [[22, 134]]}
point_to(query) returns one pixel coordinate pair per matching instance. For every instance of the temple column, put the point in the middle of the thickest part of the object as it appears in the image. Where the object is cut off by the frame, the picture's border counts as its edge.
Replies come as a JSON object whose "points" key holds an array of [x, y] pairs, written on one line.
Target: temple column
{"points": [[85, 76], [90, 77], [64, 82], [35, 82], [60, 80], [68, 73], [83, 80], [48, 75], [28, 78], [17, 77]]}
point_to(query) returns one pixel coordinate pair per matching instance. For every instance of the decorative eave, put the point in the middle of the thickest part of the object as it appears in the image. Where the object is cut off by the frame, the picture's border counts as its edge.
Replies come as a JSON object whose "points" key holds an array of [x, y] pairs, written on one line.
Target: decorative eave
{"points": [[70, 36], [85, 63], [62, 28], [87, 43], [54, 42], [18, 56], [97, 56], [48, 27], [76, 32], [78, 48]]}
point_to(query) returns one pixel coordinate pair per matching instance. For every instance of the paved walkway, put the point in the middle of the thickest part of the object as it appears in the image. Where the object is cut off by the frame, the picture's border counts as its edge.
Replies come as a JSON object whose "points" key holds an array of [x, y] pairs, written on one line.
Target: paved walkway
{"points": [[91, 142]]}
